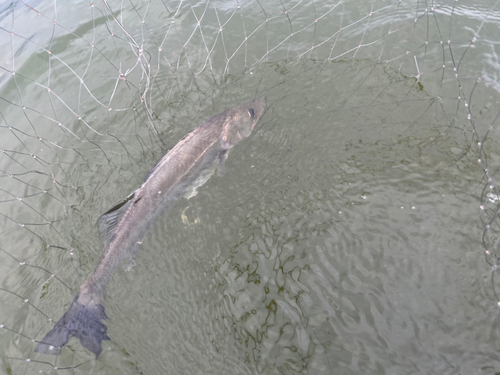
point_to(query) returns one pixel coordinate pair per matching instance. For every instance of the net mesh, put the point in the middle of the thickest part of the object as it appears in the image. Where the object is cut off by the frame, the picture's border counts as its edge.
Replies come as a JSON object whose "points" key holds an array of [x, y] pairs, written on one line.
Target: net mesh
{"points": [[103, 89]]}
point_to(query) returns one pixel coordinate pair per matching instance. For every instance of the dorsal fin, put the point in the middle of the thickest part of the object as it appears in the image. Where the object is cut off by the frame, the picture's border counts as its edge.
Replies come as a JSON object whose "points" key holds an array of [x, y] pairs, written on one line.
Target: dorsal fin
{"points": [[151, 171], [109, 220]]}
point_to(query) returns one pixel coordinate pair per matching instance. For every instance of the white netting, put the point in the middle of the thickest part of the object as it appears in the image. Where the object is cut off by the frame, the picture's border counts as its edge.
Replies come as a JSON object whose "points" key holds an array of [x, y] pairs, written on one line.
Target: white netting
{"points": [[92, 94]]}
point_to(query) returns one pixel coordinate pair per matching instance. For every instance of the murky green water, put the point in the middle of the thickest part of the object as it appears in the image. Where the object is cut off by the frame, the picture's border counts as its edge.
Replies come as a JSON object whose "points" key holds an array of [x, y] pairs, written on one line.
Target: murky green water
{"points": [[344, 237]]}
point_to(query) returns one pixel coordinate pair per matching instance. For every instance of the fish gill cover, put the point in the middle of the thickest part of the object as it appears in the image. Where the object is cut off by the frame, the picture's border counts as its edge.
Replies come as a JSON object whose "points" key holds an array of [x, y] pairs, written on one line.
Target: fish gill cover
{"points": [[355, 231]]}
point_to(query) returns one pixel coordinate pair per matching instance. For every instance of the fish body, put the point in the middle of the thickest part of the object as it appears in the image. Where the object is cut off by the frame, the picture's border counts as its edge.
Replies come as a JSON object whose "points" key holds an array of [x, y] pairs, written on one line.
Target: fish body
{"points": [[123, 227]]}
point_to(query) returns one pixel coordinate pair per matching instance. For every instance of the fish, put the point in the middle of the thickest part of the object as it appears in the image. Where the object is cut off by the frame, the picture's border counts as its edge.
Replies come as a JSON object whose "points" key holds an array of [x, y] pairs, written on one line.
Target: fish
{"points": [[123, 227]]}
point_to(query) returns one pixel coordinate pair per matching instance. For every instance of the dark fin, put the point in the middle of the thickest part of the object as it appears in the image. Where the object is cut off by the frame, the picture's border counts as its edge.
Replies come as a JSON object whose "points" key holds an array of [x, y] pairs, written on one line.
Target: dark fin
{"points": [[85, 323], [109, 220]]}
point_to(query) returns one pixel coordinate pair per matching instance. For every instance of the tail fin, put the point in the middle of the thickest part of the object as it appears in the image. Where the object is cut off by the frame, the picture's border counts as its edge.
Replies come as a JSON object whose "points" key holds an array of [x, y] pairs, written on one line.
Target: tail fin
{"points": [[83, 322]]}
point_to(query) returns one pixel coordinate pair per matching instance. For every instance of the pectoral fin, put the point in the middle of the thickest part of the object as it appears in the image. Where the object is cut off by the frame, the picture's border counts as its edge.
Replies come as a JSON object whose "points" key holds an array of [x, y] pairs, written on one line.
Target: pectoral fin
{"points": [[221, 168], [133, 252], [191, 190]]}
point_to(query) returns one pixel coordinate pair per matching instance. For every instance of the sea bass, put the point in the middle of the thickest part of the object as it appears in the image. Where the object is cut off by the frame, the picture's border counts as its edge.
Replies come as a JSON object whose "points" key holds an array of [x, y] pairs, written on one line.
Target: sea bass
{"points": [[124, 226]]}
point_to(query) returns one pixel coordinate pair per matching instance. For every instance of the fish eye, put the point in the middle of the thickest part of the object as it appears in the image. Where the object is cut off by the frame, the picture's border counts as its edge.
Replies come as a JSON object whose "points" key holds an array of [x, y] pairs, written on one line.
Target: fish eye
{"points": [[251, 112]]}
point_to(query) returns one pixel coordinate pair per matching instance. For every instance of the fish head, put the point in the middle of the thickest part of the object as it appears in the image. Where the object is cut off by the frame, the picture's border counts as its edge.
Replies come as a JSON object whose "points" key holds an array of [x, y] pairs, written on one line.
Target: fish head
{"points": [[240, 121]]}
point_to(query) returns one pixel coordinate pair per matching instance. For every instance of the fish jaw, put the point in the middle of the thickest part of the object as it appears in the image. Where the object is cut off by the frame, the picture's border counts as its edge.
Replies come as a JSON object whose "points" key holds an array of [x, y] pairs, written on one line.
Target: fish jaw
{"points": [[259, 106]]}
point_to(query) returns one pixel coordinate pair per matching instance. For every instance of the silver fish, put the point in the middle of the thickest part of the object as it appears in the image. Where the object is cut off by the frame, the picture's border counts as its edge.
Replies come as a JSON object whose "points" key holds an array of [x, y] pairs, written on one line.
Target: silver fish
{"points": [[123, 227]]}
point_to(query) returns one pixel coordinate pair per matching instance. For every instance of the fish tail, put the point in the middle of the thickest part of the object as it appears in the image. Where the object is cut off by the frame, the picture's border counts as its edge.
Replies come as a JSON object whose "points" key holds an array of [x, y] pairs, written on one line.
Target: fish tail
{"points": [[83, 322]]}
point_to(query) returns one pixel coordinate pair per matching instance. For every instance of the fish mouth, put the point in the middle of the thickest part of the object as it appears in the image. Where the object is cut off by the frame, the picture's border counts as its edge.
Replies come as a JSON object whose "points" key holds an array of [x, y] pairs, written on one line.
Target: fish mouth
{"points": [[255, 123], [260, 106]]}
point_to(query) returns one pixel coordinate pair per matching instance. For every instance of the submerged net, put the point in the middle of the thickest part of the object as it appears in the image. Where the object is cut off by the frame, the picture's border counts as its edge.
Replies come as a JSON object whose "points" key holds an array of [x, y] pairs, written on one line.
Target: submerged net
{"points": [[92, 94]]}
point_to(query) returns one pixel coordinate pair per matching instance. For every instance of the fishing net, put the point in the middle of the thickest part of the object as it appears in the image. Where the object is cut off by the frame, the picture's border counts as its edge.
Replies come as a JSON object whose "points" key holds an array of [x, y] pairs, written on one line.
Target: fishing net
{"points": [[92, 94]]}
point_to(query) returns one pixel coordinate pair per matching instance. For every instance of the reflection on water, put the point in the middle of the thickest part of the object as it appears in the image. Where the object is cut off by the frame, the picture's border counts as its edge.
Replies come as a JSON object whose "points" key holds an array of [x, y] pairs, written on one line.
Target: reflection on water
{"points": [[344, 236]]}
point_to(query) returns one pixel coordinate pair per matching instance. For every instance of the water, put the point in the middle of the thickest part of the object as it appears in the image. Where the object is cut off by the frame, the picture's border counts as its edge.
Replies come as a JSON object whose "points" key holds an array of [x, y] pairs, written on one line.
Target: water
{"points": [[346, 236]]}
